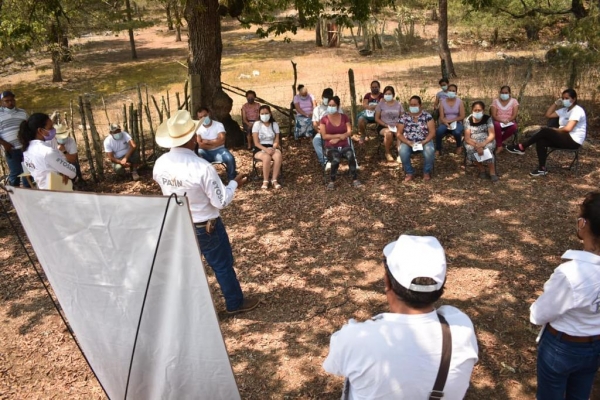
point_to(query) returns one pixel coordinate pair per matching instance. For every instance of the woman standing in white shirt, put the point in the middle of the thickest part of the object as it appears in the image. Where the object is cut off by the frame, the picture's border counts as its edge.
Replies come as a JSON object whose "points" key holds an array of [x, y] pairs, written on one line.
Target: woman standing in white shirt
{"points": [[265, 134], [42, 160], [570, 134], [569, 310]]}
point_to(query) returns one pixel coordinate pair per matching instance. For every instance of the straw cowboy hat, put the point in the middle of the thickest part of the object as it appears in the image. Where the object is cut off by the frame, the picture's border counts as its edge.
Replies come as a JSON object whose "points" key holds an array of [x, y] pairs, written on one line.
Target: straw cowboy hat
{"points": [[61, 131], [177, 130]]}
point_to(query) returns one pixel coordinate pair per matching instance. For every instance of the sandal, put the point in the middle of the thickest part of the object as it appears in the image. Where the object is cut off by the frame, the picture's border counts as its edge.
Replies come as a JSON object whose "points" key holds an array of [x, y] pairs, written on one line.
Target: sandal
{"points": [[357, 184], [331, 186], [265, 185], [275, 184]]}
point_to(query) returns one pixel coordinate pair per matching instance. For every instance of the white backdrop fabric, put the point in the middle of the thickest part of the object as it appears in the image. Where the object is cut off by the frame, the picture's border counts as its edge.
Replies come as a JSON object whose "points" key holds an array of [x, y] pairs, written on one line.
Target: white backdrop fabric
{"points": [[97, 251]]}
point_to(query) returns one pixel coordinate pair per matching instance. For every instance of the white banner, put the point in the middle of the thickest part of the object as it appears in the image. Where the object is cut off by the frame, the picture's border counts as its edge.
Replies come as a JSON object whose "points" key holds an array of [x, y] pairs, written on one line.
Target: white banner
{"points": [[97, 251]]}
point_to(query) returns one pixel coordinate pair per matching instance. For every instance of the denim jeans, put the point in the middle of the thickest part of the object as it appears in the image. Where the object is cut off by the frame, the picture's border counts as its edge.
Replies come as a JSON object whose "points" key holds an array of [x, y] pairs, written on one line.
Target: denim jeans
{"points": [[13, 160], [216, 249], [565, 370], [318, 145], [442, 130], [220, 155], [428, 154]]}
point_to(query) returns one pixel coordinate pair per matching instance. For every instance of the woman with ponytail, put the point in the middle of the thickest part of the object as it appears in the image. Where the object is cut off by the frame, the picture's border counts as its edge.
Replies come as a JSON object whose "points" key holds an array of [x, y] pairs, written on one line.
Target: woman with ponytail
{"points": [[40, 159]]}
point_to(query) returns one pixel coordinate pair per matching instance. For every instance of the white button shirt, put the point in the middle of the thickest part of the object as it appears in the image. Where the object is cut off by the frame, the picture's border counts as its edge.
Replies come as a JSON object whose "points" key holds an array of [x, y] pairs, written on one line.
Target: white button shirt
{"points": [[571, 298], [182, 172], [41, 159]]}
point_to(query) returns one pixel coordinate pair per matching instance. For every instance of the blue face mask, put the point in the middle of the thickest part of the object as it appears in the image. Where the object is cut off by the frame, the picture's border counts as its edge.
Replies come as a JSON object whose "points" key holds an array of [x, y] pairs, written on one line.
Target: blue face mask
{"points": [[567, 103], [206, 121], [504, 96], [117, 136], [451, 95], [331, 109], [444, 88], [413, 110], [61, 141], [388, 97], [478, 115]]}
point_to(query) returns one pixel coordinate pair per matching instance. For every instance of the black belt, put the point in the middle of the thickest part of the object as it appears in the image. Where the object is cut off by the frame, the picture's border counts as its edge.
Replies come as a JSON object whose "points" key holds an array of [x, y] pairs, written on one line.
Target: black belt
{"points": [[569, 338]]}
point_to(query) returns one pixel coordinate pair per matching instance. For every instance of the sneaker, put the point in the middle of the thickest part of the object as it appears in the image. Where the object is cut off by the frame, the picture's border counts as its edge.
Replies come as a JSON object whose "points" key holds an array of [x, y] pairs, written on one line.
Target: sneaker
{"points": [[135, 175], [482, 175], [539, 172], [330, 186], [494, 178], [328, 166], [248, 304], [515, 150]]}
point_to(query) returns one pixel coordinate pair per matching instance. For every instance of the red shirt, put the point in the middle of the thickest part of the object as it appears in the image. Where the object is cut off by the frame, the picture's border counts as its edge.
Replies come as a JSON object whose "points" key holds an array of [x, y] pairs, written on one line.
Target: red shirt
{"points": [[336, 130]]}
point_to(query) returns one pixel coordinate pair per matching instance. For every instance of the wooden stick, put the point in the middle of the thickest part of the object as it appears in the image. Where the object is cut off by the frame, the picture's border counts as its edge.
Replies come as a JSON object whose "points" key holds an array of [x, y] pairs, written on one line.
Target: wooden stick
{"points": [[147, 109], [96, 142], [105, 112], [86, 140], [158, 110], [178, 100], [352, 98], [72, 121], [168, 105], [185, 96]]}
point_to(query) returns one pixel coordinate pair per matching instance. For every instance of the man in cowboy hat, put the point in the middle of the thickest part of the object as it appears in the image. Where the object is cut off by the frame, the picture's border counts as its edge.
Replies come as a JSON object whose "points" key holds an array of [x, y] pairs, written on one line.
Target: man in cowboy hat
{"points": [[64, 143], [121, 151], [181, 171], [10, 121], [396, 355]]}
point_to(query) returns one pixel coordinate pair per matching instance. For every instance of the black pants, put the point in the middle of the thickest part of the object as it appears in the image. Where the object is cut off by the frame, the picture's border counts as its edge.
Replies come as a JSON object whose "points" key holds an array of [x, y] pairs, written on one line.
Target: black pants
{"points": [[548, 137], [335, 157]]}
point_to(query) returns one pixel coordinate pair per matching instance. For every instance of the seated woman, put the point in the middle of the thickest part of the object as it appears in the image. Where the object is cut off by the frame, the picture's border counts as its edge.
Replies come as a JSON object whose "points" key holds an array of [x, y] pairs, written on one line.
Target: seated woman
{"points": [[442, 94], [250, 115], [210, 136], [336, 131], [266, 146], [452, 113], [416, 128], [304, 103], [369, 103], [570, 134], [41, 159], [387, 113], [479, 136], [504, 112]]}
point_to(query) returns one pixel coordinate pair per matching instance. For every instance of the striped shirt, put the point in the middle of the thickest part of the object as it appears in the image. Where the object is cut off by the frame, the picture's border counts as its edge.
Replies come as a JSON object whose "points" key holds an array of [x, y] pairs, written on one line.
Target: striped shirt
{"points": [[10, 120]]}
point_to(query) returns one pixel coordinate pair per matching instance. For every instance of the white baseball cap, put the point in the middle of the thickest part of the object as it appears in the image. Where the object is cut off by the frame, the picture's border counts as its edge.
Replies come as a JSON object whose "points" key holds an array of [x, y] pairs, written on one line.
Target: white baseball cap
{"points": [[412, 257]]}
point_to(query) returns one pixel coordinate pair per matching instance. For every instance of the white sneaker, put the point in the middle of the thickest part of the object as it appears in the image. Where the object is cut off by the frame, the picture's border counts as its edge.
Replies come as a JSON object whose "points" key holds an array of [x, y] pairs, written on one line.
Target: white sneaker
{"points": [[328, 166], [134, 175]]}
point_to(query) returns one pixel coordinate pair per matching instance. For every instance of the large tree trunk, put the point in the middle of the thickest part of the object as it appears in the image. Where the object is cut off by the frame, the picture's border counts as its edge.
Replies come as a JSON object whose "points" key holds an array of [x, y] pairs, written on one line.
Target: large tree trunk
{"points": [[131, 38], [169, 17], [204, 65], [444, 49], [318, 38], [55, 46], [56, 72], [177, 12]]}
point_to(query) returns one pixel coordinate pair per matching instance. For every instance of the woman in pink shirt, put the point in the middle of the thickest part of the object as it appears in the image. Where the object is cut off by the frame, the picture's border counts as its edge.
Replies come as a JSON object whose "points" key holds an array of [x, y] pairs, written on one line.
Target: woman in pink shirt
{"points": [[304, 103], [250, 116], [504, 111]]}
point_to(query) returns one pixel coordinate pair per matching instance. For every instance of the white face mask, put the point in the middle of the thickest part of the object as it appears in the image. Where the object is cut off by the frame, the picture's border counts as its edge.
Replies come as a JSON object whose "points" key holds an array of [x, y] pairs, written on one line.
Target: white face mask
{"points": [[331, 109], [388, 97], [567, 103], [117, 136], [206, 120], [444, 88], [504, 96], [413, 110], [62, 141], [478, 115], [325, 101], [265, 117], [451, 95]]}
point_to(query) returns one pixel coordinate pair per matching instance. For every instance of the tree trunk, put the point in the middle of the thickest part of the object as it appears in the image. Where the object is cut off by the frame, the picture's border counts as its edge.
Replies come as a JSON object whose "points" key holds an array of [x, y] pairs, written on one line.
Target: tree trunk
{"points": [[204, 61], [177, 12], [578, 9], [56, 73], [444, 49], [55, 44], [533, 33], [131, 38], [169, 17], [64, 49], [318, 38]]}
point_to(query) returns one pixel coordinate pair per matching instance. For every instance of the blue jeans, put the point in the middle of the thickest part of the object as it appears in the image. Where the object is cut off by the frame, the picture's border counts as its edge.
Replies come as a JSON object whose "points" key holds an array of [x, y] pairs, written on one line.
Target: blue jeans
{"points": [[428, 154], [443, 130], [216, 249], [565, 370], [220, 155], [13, 160], [318, 145]]}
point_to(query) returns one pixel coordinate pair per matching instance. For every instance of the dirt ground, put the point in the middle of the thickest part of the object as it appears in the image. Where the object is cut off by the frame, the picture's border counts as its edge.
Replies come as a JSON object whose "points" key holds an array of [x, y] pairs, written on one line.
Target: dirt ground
{"points": [[314, 257]]}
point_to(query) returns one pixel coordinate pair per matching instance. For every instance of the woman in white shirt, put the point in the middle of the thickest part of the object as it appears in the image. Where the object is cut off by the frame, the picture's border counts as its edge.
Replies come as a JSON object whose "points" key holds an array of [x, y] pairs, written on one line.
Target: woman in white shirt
{"points": [[265, 133], [569, 310], [570, 134], [40, 159]]}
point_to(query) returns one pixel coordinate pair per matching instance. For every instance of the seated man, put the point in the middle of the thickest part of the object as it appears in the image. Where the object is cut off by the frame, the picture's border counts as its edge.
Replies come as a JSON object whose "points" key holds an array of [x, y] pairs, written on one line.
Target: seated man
{"points": [[396, 355], [369, 103], [66, 145], [211, 142], [122, 151]]}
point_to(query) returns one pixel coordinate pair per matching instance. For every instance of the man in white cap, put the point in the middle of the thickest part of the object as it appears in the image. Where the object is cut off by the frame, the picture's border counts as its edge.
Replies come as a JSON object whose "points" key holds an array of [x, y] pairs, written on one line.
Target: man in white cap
{"points": [[10, 121], [181, 171], [398, 355], [64, 143], [121, 151]]}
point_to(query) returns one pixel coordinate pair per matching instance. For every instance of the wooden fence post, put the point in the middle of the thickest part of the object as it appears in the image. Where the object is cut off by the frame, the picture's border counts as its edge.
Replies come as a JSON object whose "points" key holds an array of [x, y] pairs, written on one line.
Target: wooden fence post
{"points": [[352, 99], [140, 112], [96, 142], [292, 122], [125, 120], [86, 140]]}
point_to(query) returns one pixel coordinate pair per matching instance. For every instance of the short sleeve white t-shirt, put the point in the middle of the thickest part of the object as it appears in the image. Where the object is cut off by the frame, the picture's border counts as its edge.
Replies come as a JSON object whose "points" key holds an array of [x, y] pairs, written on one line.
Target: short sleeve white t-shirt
{"points": [[266, 134], [70, 145], [118, 147], [576, 114], [211, 132], [397, 356]]}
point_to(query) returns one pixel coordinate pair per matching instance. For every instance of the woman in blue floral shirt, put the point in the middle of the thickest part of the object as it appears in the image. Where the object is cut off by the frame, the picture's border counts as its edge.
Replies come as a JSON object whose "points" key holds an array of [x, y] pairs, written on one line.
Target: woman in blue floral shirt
{"points": [[416, 133]]}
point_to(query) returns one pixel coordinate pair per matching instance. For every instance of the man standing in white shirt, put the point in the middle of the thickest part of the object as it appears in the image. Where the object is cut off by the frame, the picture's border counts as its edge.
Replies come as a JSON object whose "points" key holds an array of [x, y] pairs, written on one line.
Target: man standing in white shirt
{"points": [[10, 121], [397, 355], [569, 310], [121, 151], [182, 172], [211, 142]]}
